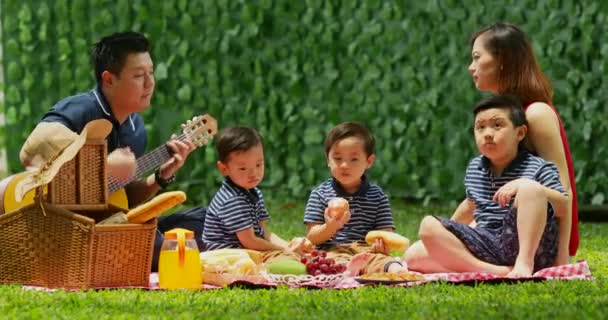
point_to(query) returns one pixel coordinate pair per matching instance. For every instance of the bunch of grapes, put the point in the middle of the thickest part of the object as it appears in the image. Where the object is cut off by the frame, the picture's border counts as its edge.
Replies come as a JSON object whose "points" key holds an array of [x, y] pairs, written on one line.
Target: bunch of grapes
{"points": [[317, 263]]}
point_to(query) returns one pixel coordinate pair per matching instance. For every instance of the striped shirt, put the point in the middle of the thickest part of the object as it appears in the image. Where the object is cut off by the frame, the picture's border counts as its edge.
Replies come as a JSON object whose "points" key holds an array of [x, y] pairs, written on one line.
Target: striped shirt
{"points": [[369, 209], [231, 210], [481, 184]]}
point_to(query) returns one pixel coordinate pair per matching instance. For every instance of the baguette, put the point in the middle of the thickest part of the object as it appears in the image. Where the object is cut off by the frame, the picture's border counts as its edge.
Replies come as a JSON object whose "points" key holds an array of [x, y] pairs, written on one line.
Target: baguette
{"points": [[155, 207], [393, 241]]}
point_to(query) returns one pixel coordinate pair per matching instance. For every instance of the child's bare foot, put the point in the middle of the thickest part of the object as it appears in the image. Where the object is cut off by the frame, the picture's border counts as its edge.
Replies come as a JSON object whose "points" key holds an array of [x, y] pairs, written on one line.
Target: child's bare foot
{"points": [[500, 270], [521, 270], [357, 263]]}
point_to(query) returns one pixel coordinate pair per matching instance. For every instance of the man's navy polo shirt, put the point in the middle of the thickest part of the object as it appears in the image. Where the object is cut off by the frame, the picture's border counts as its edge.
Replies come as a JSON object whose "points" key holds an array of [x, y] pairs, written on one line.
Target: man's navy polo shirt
{"points": [[76, 111]]}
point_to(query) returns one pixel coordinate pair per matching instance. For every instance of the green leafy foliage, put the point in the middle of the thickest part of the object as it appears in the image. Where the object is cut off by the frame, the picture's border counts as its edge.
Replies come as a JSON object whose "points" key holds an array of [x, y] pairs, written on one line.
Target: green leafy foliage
{"points": [[294, 69]]}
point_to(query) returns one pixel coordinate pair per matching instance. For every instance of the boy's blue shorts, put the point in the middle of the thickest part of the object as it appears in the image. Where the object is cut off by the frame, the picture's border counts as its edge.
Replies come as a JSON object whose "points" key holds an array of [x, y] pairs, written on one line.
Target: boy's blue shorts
{"points": [[500, 246]]}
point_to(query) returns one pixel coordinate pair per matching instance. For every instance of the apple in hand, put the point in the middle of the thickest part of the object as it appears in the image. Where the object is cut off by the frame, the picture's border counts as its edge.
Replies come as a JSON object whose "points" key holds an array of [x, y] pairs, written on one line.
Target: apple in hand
{"points": [[337, 207]]}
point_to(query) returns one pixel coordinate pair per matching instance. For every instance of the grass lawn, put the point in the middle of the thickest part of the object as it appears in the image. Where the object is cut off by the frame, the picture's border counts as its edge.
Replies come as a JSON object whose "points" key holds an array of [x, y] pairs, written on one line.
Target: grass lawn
{"points": [[540, 300]]}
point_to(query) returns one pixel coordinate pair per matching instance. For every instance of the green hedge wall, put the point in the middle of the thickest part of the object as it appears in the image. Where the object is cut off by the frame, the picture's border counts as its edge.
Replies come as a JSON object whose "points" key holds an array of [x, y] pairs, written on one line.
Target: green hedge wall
{"points": [[294, 69]]}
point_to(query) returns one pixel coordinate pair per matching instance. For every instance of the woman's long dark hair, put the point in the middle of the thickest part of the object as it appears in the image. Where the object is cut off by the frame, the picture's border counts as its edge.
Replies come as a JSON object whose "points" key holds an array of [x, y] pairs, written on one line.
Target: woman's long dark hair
{"points": [[519, 72]]}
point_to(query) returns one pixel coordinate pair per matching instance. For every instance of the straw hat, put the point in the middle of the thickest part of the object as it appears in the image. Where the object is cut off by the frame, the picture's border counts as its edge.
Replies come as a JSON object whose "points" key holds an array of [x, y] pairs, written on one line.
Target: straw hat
{"points": [[49, 146]]}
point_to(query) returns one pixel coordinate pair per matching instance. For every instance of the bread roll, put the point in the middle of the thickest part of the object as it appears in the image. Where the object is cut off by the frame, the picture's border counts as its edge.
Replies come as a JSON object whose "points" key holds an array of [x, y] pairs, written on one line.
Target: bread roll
{"points": [[156, 206], [393, 241], [337, 207]]}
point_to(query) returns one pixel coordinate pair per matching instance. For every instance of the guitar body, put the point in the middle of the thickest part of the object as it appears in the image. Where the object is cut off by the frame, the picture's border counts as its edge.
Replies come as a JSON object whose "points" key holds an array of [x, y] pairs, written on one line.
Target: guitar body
{"points": [[119, 199], [7, 195]]}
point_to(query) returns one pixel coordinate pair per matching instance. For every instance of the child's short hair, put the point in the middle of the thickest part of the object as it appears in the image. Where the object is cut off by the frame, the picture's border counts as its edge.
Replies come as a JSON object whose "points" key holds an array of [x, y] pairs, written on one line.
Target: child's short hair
{"points": [[235, 139], [517, 115], [347, 130]]}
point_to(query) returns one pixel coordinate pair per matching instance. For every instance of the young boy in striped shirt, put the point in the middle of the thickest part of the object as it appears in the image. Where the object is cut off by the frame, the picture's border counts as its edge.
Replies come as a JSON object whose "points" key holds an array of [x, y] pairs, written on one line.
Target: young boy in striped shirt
{"points": [[512, 196], [349, 148], [237, 216]]}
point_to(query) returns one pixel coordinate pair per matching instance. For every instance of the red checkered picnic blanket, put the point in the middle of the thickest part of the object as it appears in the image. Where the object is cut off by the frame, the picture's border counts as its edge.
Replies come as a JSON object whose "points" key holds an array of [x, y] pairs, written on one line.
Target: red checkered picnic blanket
{"points": [[575, 271]]}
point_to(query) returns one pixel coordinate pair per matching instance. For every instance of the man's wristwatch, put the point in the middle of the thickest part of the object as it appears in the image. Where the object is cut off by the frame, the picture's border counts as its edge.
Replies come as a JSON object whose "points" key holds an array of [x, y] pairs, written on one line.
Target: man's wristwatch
{"points": [[162, 182]]}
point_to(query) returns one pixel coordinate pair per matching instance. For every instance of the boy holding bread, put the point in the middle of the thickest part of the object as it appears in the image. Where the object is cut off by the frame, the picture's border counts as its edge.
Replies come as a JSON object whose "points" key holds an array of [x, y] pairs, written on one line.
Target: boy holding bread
{"points": [[342, 210]]}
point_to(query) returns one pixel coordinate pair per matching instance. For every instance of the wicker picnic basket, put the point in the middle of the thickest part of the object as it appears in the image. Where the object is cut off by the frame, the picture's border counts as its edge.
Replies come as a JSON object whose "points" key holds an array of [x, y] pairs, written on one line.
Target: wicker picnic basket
{"points": [[81, 183], [57, 248], [56, 243]]}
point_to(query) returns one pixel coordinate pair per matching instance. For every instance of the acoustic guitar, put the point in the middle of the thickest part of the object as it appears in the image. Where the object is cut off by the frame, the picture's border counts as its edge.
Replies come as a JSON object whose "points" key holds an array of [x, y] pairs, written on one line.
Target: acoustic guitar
{"points": [[200, 130]]}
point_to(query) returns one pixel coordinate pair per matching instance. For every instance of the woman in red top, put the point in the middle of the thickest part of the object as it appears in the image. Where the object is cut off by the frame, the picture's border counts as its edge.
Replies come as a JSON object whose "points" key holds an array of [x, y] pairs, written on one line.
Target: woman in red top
{"points": [[503, 62]]}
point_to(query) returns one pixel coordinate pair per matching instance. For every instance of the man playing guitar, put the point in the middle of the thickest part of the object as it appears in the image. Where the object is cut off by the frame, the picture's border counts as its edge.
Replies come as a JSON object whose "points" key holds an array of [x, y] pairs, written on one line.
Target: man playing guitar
{"points": [[124, 72]]}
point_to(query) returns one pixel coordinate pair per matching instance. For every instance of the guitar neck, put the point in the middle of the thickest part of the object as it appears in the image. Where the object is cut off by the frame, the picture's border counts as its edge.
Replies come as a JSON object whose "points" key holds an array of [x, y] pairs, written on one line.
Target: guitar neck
{"points": [[197, 131]]}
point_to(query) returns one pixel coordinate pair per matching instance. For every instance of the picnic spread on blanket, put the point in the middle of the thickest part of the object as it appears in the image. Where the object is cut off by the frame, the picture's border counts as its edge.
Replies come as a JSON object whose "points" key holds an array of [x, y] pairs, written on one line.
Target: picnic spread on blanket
{"points": [[69, 235], [574, 271]]}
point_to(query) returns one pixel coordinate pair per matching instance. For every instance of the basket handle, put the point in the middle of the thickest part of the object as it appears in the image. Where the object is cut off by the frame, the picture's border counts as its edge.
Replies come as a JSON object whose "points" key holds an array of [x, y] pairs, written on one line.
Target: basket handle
{"points": [[69, 214], [38, 198]]}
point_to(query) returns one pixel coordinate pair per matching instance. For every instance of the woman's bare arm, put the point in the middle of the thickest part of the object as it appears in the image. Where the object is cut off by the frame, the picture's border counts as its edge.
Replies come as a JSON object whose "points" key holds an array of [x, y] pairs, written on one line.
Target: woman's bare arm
{"points": [[544, 138]]}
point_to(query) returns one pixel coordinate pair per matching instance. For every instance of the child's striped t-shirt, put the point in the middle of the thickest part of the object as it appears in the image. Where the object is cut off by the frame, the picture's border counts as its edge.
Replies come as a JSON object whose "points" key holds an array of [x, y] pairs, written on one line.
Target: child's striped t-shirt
{"points": [[481, 184], [231, 210], [369, 208]]}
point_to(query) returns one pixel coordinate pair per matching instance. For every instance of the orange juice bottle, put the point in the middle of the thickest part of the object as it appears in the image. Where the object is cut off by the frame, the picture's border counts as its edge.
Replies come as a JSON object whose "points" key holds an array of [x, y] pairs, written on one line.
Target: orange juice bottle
{"points": [[179, 264]]}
